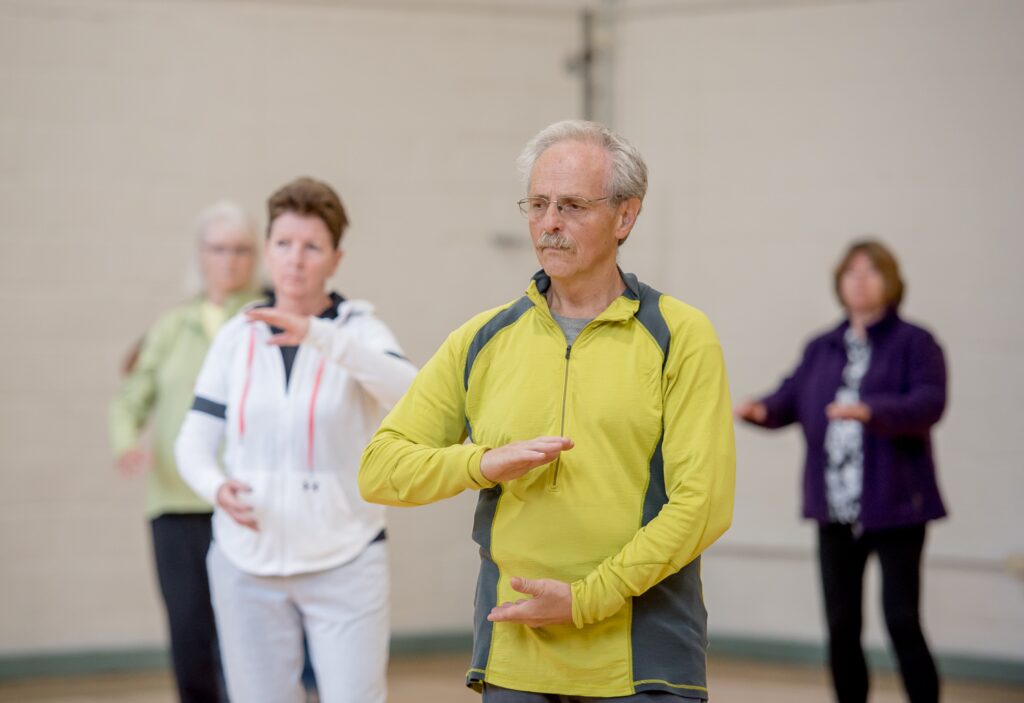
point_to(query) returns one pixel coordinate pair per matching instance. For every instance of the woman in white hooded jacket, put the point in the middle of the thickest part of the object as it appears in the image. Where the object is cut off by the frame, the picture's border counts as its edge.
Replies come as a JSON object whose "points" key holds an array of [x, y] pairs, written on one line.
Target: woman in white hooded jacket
{"points": [[295, 546]]}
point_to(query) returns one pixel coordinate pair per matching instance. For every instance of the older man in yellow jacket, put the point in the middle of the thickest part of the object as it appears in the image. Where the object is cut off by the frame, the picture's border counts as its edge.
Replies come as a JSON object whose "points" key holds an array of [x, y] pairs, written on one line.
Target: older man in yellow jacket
{"points": [[600, 440]]}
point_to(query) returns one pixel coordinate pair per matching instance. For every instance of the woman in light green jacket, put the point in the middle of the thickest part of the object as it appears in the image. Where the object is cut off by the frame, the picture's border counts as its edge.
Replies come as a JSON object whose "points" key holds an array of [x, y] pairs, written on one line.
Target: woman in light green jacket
{"points": [[157, 392]]}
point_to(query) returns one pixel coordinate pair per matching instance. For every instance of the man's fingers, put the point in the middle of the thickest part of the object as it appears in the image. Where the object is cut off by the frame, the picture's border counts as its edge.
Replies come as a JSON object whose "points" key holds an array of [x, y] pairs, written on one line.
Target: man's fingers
{"points": [[551, 603], [508, 612], [534, 456], [549, 443], [529, 586], [513, 460], [547, 448], [522, 612]]}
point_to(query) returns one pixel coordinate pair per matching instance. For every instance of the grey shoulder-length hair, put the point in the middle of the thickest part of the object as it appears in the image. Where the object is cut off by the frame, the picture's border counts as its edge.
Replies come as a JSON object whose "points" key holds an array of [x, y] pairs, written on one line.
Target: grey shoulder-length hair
{"points": [[223, 211], [628, 177]]}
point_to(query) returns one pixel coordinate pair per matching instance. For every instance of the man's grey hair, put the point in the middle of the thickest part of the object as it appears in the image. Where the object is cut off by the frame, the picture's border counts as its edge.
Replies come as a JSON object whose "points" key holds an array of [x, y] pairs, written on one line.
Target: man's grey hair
{"points": [[628, 172]]}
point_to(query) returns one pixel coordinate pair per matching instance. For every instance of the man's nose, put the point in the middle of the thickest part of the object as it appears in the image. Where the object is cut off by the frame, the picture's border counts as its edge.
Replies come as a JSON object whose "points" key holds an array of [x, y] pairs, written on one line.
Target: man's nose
{"points": [[552, 219]]}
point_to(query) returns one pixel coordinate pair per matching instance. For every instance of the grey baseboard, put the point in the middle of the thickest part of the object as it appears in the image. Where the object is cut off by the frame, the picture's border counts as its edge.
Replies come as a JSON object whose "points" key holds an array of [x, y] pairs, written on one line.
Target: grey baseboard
{"points": [[965, 667], [83, 662], [138, 659], [431, 643], [790, 652]]}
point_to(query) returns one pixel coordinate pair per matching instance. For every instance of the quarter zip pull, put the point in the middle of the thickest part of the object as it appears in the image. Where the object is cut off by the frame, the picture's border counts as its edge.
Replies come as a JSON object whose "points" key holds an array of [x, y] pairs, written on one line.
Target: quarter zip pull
{"points": [[561, 429]]}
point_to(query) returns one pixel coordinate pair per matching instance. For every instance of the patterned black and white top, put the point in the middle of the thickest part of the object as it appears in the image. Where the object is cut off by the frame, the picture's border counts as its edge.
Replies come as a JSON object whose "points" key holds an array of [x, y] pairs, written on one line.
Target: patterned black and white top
{"points": [[844, 439]]}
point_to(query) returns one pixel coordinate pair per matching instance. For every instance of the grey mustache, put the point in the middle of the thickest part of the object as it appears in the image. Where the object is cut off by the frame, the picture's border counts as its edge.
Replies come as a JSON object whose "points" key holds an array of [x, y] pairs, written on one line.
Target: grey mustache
{"points": [[555, 241]]}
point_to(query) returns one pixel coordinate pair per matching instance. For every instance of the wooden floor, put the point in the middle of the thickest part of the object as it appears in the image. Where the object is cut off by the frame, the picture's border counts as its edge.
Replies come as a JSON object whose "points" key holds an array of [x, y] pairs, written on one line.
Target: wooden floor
{"points": [[439, 680]]}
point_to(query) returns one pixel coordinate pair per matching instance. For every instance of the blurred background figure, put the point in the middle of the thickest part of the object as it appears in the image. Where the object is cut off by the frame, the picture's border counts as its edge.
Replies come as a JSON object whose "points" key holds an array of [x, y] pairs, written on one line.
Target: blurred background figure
{"points": [[157, 391], [295, 546], [866, 395]]}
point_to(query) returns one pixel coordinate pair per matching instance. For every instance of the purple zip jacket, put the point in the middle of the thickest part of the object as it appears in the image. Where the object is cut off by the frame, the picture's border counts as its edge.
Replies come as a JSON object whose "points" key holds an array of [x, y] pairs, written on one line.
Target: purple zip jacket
{"points": [[905, 387]]}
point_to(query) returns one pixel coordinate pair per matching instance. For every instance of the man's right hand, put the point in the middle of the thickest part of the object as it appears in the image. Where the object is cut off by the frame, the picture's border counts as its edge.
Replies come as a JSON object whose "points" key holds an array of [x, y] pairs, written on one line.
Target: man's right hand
{"points": [[519, 458], [230, 500]]}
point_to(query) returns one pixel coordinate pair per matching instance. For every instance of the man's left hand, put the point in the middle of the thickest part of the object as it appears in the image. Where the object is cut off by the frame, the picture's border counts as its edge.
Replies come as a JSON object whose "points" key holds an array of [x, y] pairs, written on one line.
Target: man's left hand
{"points": [[551, 603]]}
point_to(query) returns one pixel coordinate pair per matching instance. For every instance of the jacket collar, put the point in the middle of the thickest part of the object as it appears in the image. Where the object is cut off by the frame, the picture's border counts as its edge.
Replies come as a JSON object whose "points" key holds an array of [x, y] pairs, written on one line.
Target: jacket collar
{"points": [[232, 304], [236, 301], [329, 313], [875, 331], [622, 308]]}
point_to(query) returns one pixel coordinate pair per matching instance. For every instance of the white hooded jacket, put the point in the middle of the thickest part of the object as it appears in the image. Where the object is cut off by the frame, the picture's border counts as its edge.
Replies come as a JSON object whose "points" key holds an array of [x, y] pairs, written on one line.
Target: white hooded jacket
{"points": [[295, 439]]}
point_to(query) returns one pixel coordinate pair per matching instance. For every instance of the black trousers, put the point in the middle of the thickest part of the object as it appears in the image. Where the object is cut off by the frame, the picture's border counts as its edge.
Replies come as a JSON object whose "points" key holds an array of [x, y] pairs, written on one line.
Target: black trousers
{"points": [[843, 557], [180, 544]]}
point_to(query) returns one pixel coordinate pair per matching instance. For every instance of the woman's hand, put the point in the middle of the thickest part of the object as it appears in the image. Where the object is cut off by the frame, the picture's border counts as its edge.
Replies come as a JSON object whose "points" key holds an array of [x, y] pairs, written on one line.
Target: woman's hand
{"points": [[295, 327], [857, 411], [230, 500], [752, 411], [134, 462]]}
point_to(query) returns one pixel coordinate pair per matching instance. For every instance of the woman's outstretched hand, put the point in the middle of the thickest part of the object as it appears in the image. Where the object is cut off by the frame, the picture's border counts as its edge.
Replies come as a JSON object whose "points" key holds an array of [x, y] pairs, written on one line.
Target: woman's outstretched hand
{"points": [[295, 327], [752, 411]]}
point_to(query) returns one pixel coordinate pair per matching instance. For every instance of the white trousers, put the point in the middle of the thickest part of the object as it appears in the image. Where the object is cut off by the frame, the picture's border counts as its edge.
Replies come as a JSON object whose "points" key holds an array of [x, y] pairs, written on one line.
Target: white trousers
{"points": [[344, 611]]}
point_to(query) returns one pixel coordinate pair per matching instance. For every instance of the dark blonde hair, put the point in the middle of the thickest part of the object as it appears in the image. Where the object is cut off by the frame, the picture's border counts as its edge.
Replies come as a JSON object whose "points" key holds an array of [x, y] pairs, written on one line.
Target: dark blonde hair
{"points": [[884, 262], [307, 196]]}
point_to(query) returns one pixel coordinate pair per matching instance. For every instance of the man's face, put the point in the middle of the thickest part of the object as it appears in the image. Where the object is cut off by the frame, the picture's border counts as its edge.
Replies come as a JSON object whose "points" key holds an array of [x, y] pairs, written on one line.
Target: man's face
{"points": [[571, 245]]}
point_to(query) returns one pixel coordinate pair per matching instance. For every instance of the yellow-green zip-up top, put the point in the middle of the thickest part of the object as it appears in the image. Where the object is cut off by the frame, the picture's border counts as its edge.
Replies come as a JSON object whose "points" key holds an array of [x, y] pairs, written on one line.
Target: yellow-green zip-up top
{"points": [[622, 517]]}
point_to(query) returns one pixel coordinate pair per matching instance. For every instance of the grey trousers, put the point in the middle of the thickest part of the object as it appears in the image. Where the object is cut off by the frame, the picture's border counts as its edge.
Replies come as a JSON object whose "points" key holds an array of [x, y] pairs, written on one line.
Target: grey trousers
{"points": [[344, 611]]}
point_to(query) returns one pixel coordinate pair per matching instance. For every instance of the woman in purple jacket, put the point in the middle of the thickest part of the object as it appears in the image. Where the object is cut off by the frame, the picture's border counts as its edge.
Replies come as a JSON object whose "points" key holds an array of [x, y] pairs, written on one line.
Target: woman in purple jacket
{"points": [[866, 395]]}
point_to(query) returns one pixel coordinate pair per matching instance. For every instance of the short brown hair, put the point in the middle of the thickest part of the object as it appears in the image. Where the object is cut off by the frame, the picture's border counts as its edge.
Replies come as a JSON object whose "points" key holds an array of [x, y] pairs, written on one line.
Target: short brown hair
{"points": [[883, 260], [308, 196]]}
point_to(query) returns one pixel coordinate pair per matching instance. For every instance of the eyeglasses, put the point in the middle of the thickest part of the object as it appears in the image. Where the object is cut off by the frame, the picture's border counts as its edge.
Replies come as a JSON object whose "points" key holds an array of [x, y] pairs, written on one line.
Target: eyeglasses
{"points": [[569, 206], [227, 250]]}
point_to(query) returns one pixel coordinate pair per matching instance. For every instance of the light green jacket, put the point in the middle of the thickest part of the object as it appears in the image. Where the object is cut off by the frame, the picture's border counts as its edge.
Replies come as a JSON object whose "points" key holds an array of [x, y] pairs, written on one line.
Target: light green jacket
{"points": [[158, 392]]}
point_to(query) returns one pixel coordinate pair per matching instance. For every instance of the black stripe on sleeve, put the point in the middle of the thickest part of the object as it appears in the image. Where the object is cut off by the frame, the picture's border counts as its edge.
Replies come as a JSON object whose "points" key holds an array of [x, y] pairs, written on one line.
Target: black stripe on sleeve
{"points": [[396, 355], [205, 405]]}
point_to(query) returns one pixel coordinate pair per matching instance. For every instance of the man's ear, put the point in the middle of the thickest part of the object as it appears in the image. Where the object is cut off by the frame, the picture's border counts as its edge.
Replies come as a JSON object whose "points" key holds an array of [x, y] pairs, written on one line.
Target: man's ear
{"points": [[628, 215]]}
